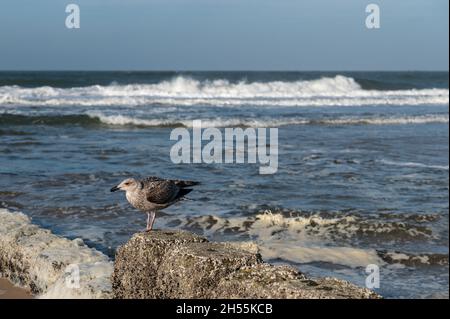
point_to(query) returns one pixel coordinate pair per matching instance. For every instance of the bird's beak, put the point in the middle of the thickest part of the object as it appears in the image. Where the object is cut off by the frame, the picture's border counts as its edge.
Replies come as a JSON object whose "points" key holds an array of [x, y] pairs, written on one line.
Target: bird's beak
{"points": [[115, 188]]}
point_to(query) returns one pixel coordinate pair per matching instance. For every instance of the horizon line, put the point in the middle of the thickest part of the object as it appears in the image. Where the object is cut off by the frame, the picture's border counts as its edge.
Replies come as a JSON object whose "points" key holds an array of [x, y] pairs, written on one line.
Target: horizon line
{"points": [[209, 70]]}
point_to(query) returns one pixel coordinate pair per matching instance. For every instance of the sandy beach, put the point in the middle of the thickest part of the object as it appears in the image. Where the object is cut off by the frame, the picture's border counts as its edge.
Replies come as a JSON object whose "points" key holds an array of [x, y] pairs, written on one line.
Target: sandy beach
{"points": [[9, 291]]}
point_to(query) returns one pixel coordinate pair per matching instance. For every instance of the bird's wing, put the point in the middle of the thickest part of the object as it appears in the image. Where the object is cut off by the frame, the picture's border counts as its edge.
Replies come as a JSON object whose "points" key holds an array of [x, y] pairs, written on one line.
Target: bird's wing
{"points": [[152, 179], [159, 191], [180, 183]]}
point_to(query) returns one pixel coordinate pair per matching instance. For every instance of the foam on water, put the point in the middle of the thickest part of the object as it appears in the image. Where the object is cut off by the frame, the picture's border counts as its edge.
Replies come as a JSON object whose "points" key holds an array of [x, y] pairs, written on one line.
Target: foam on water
{"points": [[327, 91], [314, 237], [42, 258], [90, 118], [262, 122], [413, 164]]}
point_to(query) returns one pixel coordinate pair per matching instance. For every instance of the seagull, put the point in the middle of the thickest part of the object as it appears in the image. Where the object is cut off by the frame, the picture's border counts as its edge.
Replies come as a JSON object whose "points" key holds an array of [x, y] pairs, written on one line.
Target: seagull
{"points": [[152, 194]]}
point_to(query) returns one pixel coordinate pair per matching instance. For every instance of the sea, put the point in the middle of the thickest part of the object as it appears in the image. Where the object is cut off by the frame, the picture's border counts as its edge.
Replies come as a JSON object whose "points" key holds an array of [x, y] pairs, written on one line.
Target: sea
{"points": [[361, 190]]}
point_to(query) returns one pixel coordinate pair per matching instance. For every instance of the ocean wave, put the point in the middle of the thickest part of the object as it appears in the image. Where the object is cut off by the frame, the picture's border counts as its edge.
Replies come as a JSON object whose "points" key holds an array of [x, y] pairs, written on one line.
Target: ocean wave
{"points": [[314, 226], [97, 118], [216, 122], [414, 164], [265, 122], [413, 260], [305, 237], [349, 256], [72, 119], [183, 91]]}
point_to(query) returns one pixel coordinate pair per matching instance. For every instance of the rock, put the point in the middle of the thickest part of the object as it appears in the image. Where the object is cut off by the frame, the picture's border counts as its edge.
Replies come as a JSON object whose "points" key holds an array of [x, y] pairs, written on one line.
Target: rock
{"points": [[195, 269], [158, 264], [283, 282], [36, 259], [137, 262], [248, 246], [179, 264]]}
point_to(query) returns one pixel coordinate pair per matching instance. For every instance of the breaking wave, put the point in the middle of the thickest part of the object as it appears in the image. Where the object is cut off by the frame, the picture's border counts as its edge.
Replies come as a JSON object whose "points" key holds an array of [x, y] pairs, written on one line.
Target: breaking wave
{"points": [[415, 165], [308, 226], [96, 118], [328, 91], [252, 122], [306, 237]]}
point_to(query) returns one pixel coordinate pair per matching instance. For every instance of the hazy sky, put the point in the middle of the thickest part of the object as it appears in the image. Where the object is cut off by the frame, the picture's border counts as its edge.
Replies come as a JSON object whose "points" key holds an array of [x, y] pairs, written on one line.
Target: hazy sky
{"points": [[224, 35]]}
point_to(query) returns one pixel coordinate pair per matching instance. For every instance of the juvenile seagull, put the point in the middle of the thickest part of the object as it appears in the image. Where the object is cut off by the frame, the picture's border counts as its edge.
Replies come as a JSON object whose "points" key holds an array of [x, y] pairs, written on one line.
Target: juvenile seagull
{"points": [[152, 194]]}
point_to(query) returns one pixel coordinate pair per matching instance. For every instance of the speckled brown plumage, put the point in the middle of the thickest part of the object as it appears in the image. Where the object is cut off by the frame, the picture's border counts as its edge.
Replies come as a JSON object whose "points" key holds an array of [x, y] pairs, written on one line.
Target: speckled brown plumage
{"points": [[153, 193]]}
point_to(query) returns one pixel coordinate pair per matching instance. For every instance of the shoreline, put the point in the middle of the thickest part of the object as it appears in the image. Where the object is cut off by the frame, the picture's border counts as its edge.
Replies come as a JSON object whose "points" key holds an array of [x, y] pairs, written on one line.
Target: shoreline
{"points": [[177, 264], [39, 262], [50, 266]]}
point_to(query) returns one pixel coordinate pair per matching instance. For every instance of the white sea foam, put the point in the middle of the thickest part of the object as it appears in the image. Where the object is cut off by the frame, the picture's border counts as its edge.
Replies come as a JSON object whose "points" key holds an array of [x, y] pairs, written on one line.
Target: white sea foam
{"points": [[347, 256], [183, 91], [414, 164], [304, 239], [42, 258], [216, 122], [420, 119], [268, 122], [314, 237]]}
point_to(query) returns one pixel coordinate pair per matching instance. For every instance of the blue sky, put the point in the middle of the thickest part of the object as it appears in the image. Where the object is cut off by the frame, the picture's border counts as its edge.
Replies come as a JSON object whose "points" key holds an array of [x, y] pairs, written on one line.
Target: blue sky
{"points": [[224, 35]]}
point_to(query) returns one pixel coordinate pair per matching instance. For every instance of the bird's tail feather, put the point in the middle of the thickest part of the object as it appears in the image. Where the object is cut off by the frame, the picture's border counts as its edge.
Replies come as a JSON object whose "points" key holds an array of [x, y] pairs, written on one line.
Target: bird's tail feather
{"points": [[183, 192], [182, 184]]}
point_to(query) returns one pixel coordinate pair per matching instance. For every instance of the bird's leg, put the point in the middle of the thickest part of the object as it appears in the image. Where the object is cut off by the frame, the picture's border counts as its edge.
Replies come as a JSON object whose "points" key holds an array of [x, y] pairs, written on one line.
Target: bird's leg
{"points": [[150, 220]]}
